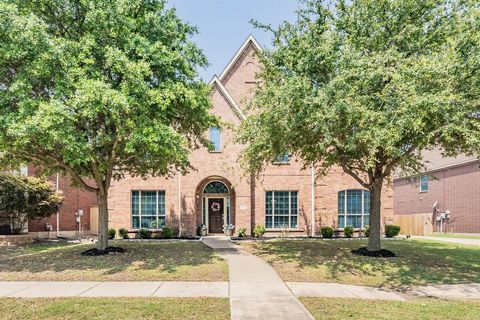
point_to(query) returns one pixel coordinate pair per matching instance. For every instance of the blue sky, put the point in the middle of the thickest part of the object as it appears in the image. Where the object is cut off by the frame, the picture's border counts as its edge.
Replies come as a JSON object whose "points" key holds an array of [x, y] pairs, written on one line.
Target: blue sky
{"points": [[224, 25]]}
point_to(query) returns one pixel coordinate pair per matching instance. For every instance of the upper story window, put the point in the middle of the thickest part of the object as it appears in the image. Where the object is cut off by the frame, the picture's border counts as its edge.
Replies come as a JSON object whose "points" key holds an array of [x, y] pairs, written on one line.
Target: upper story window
{"points": [[423, 183], [282, 158], [216, 139], [281, 209], [353, 208]]}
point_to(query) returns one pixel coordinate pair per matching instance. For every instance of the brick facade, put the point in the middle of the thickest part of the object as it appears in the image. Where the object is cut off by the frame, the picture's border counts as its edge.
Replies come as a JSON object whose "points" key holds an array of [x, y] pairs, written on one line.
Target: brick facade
{"points": [[183, 194], [75, 199], [454, 188]]}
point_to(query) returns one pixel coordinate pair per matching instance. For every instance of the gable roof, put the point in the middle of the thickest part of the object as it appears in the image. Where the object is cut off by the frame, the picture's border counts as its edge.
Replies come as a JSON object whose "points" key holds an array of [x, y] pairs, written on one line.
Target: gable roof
{"points": [[250, 39], [236, 109], [218, 80]]}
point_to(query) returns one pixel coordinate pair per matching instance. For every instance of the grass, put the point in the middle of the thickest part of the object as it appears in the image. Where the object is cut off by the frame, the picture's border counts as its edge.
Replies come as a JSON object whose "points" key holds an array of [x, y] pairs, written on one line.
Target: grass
{"points": [[418, 262], [426, 309], [453, 235], [15, 251], [143, 261], [115, 308]]}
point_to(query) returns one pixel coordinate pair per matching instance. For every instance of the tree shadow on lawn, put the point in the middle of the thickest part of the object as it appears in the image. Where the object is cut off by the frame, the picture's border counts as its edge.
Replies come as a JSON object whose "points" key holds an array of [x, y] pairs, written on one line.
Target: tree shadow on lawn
{"points": [[417, 262], [141, 261]]}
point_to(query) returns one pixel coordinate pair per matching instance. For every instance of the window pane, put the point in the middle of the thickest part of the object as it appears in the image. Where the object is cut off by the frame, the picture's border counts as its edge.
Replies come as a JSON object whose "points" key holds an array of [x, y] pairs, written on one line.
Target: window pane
{"points": [[161, 203], [135, 203], [354, 201], [354, 208], [281, 222], [147, 222], [268, 203], [149, 203], [215, 187], [341, 221], [283, 213], [366, 202], [135, 222], [293, 203], [215, 138], [282, 158], [281, 203], [423, 183], [354, 221], [293, 222], [268, 222]]}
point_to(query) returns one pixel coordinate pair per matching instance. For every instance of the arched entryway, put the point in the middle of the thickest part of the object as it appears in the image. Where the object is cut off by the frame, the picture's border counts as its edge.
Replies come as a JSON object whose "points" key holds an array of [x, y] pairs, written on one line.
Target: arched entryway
{"points": [[215, 204]]}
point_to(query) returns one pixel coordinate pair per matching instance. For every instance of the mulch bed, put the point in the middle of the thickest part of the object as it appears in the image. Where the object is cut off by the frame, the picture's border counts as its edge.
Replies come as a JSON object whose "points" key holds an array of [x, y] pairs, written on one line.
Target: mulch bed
{"points": [[108, 250], [382, 253]]}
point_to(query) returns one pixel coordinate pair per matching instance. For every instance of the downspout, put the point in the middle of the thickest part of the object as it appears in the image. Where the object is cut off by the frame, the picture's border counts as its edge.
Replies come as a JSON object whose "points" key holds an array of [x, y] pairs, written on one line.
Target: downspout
{"points": [[57, 187], [313, 201], [179, 204]]}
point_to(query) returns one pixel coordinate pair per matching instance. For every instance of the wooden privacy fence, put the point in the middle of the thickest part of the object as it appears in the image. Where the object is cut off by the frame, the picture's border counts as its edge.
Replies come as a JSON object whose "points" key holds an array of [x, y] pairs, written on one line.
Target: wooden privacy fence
{"points": [[414, 224], [94, 220]]}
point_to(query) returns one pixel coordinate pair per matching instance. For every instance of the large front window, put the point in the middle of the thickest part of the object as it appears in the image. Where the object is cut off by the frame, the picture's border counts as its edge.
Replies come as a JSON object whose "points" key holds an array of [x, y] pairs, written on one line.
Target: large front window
{"points": [[148, 209], [281, 209], [353, 208]]}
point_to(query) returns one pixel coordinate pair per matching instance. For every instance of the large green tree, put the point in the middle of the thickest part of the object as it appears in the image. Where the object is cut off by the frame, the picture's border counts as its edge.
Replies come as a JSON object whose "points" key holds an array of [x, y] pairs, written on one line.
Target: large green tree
{"points": [[366, 85], [97, 89]]}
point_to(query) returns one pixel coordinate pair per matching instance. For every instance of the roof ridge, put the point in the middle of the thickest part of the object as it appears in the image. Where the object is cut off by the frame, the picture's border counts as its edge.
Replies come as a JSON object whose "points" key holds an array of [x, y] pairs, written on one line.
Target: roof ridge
{"points": [[233, 104]]}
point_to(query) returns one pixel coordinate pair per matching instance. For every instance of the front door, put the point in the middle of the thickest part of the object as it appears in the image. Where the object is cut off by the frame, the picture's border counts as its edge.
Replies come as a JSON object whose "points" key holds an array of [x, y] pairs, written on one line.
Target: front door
{"points": [[215, 215]]}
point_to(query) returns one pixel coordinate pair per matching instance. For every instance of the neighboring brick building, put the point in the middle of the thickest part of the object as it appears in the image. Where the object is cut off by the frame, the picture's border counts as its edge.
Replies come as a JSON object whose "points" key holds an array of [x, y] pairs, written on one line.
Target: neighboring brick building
{"points": [[447, 195], [219, 192], [75, 199]]}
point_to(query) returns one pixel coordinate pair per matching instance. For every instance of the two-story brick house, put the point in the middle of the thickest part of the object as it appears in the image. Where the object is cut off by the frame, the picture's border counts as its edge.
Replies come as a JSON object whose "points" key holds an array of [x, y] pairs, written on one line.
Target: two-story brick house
{"points": [[284, 197]]}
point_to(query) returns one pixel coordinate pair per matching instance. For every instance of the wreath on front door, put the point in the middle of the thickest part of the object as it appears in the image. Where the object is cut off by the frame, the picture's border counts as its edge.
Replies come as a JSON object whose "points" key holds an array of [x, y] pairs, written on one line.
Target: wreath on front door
{"points": [[215, 206]]}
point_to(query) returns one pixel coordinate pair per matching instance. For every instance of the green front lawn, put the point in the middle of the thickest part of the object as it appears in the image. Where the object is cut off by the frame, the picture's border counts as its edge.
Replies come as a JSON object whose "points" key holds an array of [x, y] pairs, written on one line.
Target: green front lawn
{"points": [[453, 235], [418, 262], [143, 261], [15, 251], [115, 308], [425, 309]]}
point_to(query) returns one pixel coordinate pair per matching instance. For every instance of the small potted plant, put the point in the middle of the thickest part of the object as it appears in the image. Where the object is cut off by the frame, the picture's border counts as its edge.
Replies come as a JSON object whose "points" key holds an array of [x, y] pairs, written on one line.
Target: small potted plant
{"points": [[202, 230], [228, 229]]}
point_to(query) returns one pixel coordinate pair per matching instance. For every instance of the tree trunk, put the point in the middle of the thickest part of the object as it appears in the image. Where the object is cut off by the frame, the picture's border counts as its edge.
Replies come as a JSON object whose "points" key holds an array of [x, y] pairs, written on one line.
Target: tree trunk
{"points": [[375, 215], [102, 202]]}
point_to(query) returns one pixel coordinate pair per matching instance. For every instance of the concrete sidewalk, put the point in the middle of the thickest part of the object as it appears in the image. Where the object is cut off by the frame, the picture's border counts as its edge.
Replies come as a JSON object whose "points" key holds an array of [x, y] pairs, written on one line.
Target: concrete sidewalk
{"points": [[471, 242], [57, 289], [256, 290]]}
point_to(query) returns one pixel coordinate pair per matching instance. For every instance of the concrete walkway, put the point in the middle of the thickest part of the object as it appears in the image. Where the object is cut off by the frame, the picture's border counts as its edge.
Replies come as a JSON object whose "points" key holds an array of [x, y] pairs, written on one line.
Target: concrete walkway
{"points": [[57, 289], [256, 290], [471, 242]]}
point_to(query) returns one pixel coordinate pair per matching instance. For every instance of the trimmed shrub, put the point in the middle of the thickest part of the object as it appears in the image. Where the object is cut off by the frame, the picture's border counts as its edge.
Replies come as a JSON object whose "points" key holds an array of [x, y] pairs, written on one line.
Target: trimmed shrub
{"points": [[111, 233], [367, 231], [259, 231], [167, 232], [144, 233], [122, 232], [327, 232], [392, 230], [348, 231], [242, 232]]}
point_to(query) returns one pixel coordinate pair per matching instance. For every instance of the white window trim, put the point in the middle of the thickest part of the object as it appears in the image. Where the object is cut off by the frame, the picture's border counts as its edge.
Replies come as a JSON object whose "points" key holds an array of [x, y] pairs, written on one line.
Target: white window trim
{"points": [[157, 213], [362, 226], [420, 184], [289, 209], [220, 148]]}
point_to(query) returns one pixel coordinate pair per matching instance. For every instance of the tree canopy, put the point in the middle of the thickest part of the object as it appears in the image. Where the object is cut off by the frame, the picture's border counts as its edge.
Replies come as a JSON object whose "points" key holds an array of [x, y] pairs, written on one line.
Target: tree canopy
{"points": [[99, 89], [366, 85], [24, 198]]}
